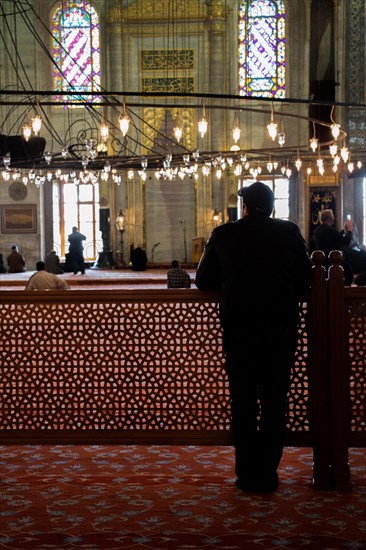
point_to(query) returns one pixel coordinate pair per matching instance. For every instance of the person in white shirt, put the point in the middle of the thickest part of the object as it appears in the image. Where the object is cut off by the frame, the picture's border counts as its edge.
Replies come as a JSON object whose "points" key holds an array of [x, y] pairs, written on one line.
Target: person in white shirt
{"points": [[42, 280]]}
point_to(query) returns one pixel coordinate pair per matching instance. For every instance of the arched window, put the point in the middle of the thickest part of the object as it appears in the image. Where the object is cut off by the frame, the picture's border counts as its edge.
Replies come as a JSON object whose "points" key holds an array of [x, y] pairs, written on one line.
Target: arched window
{"points": [[75, 48], [262, 52]]}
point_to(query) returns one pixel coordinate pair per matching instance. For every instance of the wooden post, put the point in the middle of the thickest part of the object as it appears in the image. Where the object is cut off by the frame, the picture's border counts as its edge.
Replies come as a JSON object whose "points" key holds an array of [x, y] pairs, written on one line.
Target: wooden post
{"points": [[318, 376], [339, 387]]}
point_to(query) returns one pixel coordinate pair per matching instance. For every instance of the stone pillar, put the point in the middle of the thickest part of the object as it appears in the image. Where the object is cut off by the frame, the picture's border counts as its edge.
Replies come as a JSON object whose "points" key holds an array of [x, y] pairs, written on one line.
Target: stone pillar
{"points": [[115, 47], [217, 85], [217, 72]]}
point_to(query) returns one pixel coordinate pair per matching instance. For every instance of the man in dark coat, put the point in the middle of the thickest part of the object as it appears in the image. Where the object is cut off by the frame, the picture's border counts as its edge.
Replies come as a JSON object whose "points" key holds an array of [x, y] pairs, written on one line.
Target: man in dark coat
{"points": [[261, 266], [76, 257], [327, 238]]}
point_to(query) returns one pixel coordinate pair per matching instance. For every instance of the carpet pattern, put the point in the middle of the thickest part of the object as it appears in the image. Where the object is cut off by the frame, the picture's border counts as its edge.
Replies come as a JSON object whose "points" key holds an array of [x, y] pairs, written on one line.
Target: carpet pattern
{"points": [[167, 497]]}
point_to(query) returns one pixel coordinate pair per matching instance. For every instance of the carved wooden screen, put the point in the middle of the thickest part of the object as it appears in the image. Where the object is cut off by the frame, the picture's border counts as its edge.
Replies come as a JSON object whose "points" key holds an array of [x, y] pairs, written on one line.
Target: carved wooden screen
{"points": [[356, 307], [142, 365]]}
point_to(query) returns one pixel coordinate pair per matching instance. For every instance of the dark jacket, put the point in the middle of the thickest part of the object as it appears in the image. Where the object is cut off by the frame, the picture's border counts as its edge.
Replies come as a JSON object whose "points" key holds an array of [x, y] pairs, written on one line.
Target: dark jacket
{"points": [[327, 238], [261, 265]]}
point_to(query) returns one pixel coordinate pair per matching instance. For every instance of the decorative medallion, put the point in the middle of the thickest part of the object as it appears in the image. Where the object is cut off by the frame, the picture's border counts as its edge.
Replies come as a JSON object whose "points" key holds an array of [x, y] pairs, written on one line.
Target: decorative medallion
{"points": [[18, 191]]}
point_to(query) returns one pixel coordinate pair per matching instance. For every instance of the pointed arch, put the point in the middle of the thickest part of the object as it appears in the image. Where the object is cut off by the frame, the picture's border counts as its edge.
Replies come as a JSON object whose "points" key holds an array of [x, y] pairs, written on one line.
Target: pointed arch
{"points": [[75, 48], [262, 48]]}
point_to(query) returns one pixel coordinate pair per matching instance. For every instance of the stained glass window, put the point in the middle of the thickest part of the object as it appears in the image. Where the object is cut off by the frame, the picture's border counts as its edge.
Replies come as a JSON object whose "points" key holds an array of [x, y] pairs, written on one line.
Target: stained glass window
{"points": [[76, 49], [262, 51]]}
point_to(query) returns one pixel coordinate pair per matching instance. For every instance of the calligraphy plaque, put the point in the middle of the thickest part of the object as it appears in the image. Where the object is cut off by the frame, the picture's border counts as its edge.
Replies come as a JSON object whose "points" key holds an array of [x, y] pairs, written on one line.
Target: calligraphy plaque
{"points": [[323, 181]]}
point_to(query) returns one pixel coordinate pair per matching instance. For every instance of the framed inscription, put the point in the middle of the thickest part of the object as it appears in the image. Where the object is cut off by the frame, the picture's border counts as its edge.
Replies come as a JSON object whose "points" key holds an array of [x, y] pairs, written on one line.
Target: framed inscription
{"points": [[16, 218]]}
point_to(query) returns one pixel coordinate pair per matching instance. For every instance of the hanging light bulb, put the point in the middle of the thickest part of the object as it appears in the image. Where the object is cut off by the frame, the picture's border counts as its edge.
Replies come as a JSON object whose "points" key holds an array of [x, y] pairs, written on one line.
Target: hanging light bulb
{"points": [[298, 162], [236, 129], [344, 154], [178, 133], [350, 167], [64, 151], [36, 124], [333, 149], [281, 138], [48, 157], [272, 128], [124, 123], [269, 166], [6, 160], [104, 132], [319, 162], [359, 164], [177, 130], [313, 144], [237, 170], [288, 172], [219, 173], [335, 129], [202, 124], [308, 171], [337, 160], [27, 132], [335, 167]]}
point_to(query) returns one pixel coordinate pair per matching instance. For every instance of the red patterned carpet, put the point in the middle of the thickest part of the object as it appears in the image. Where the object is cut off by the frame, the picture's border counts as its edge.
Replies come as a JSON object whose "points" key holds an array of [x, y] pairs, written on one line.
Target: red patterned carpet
{"points": [[168, 497]]}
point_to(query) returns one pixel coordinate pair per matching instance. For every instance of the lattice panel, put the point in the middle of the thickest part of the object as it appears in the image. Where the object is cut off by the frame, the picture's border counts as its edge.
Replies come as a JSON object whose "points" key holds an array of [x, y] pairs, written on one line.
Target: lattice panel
{"points": [[120, 365], [113, 366], [297, 416], [357, 355]]}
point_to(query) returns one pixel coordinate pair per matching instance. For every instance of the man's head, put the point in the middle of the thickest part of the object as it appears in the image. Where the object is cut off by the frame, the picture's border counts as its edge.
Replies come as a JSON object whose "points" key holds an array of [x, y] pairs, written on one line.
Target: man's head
{"points": [[40, 266], [175, 264], [327, 216], [258, 198], [14, 248]]}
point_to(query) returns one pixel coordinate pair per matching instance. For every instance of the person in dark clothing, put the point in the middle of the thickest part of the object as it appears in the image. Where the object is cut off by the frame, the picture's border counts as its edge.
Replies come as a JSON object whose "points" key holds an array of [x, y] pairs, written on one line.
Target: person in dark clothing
{"points": [[138, 259], [2, 266], [52, 263], [178, 277], [261, 266], [327, 238], [16, 261], [76, 257]]}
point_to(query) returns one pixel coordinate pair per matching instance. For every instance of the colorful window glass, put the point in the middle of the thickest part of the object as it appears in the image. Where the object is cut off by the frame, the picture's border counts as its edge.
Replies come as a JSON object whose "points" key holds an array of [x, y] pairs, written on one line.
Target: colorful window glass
{"points": [[76, 49], [262, 51]]}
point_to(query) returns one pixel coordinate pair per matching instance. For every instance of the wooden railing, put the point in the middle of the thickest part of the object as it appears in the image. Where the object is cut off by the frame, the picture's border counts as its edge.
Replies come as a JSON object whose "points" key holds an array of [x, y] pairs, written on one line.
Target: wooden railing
{"points": [[147, 366]]}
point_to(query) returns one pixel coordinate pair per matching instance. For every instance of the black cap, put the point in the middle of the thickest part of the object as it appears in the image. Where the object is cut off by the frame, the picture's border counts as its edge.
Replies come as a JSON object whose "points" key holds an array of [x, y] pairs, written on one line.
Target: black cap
{"points": [[258, 197]]}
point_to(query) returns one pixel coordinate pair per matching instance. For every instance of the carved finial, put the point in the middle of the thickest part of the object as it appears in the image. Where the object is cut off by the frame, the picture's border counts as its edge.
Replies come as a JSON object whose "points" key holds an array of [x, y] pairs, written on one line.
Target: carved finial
{"points": [[335, 257], [318, 257], [336, 270]]}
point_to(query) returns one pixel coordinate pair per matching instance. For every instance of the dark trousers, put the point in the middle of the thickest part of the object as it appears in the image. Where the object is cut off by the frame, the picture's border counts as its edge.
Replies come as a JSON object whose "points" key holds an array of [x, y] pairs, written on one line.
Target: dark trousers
{"points": [[77, 262], [259, 370]]}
